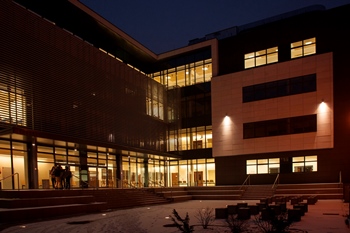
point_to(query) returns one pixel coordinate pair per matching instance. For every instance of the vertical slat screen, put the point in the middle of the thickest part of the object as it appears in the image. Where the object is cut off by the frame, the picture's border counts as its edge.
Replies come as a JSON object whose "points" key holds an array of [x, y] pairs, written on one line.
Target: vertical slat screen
{"points": [[65, 86]]}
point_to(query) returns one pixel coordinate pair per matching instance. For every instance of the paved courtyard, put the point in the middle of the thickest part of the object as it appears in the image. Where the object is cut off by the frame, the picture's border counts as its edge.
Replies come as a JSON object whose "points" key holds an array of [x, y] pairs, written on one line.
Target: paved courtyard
{"points": [[326, 216]]}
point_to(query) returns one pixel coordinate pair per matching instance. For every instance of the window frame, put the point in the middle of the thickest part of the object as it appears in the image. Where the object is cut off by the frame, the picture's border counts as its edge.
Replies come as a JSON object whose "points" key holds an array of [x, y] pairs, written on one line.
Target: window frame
{"points": [[262, 166], [305, 164], [303, 46], [261, 57]]}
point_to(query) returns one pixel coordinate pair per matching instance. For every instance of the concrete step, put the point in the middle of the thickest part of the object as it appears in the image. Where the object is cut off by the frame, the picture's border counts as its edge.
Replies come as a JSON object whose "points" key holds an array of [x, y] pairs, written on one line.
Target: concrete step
{"points": [[44, 212], [256, 192], [180, 198], [216, 197], [215, 192], [167, 194], [309, 191], [44, 201]]}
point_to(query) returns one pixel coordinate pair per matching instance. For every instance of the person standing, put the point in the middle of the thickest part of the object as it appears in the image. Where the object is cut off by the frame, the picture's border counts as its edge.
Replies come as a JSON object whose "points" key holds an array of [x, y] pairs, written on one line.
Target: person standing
{"points": [[58, 177], [52, 175], [67, 177]]}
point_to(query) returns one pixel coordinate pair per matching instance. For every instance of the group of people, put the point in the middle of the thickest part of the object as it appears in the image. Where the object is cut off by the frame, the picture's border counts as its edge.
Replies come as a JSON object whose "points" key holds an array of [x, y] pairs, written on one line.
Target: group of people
{"points": [[60, 177]]}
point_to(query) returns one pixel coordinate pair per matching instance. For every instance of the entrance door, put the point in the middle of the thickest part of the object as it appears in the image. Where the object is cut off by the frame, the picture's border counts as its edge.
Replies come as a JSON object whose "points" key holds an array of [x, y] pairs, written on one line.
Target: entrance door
{"points": [[174, 179], [198, 178]]}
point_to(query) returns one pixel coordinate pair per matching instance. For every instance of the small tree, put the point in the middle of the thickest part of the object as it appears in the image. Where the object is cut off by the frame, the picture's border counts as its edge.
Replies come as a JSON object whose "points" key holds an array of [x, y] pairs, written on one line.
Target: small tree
{"points": [[236, 225], [205, 216], [182, 224]]}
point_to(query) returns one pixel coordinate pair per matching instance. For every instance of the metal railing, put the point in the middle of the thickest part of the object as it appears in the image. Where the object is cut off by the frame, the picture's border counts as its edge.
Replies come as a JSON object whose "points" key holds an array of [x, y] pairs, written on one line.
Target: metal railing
{"points": [[84, 182], [245, 183], [12, 175], [277, 181]]}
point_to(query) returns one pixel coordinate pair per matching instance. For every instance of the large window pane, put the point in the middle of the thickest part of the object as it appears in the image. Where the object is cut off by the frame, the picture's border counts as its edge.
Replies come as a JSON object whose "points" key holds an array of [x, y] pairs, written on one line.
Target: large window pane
{"points": [[260, 60], [181, 76], [252, 169], [297, 52], [271, 58], [262, 169], [47, 158]]}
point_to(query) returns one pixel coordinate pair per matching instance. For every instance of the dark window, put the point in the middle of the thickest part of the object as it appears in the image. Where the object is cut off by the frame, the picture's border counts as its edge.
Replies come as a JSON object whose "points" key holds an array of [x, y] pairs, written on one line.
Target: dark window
{"points": [[285, 87], [284, 126]]}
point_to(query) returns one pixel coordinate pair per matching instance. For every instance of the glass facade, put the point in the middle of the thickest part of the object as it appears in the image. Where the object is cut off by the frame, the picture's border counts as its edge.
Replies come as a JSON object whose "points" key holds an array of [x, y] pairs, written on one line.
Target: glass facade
{"points": [[141, 170], [185, 75], [13, 164], [195, 172], [138, 170], [191, 138]]}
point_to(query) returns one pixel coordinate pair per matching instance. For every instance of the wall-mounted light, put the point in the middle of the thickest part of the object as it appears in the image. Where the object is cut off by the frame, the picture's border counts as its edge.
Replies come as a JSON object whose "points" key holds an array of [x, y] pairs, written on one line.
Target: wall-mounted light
{"points": [[322, 101]]}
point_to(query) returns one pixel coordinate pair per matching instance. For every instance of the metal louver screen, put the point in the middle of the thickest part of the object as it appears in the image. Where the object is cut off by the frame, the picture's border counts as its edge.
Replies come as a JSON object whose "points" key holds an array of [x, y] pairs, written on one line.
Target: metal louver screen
{"points": [[52, 81]]}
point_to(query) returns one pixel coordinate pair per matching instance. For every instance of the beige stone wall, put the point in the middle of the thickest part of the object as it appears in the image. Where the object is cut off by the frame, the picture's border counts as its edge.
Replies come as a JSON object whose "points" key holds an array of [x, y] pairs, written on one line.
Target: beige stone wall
{"points": [[227, 100]]}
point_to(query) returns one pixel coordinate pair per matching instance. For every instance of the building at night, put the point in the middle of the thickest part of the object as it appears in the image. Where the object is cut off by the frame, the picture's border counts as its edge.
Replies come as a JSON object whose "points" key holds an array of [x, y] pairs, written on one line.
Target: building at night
{"points": [[260, 100]]}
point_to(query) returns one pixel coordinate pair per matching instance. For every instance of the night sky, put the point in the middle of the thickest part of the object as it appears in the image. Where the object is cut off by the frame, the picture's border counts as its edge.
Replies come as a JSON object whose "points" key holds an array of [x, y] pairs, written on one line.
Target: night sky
{"points": [[164, 25]]}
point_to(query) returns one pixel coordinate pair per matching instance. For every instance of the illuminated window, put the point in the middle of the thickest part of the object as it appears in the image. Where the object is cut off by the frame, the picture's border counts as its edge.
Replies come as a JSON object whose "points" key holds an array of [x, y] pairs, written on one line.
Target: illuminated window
{"points": [[12, 105], [305, 164], [303, 48], [154, 102], [185, 75], [191, 139], [261, 57], [263, 166]]}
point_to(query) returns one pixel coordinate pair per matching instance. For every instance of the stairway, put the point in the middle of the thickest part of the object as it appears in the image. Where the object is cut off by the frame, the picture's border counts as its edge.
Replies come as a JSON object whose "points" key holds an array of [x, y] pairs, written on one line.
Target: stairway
{"points": [[29, 205], [178, 194], [17, 206], [257, 192], [321, 190]]}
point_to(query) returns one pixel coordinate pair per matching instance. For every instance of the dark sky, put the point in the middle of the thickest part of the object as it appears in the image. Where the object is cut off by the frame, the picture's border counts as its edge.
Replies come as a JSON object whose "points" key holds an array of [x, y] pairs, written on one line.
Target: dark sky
{"points": [[164, 25]]}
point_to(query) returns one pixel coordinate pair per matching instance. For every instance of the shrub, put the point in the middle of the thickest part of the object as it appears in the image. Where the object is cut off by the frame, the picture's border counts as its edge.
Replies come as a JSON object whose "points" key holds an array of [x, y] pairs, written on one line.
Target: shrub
{"points": [[236, 225], [205, 217], [277, 224]]}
